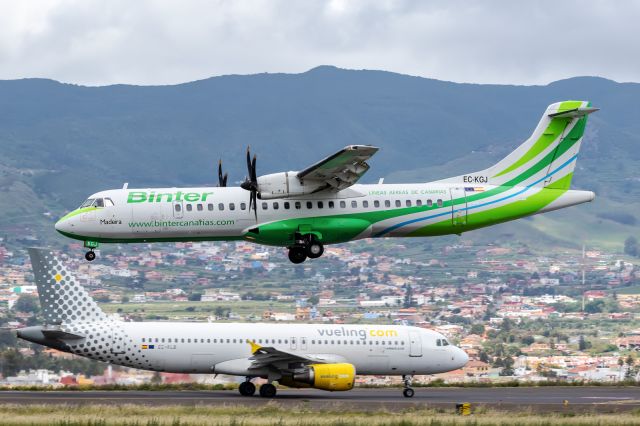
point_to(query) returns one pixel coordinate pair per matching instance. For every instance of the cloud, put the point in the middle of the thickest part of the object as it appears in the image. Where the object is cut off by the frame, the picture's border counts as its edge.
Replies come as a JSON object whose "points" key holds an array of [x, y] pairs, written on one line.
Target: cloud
{"points": [[160, 42]]}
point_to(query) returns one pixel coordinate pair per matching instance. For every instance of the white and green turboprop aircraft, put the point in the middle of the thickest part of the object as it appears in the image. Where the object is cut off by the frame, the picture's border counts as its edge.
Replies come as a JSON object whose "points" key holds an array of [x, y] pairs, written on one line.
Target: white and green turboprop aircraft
{"points": [[324, 204]]}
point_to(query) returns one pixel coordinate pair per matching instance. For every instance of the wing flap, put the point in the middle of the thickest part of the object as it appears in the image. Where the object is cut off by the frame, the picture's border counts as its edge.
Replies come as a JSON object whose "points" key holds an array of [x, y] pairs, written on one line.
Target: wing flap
{"points": [[342, 169]]}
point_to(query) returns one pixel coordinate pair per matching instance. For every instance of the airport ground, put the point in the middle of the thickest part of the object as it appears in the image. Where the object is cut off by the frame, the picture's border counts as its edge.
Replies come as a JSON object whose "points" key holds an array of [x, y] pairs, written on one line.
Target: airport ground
{"points": [[435, 406]]}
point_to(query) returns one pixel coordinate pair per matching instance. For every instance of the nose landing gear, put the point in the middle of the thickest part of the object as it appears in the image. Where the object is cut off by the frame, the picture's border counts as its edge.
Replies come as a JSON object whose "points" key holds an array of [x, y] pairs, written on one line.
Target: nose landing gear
{"points": [[407, 391], [90, 255]]}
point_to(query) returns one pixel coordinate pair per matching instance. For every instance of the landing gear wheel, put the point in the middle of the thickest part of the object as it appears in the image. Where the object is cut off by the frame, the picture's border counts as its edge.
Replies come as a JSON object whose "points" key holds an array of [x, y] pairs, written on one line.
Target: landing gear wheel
{"points": [[267, 390], [315, 250], [297, 255], [408, 393], [247, 389], [90, 255]]}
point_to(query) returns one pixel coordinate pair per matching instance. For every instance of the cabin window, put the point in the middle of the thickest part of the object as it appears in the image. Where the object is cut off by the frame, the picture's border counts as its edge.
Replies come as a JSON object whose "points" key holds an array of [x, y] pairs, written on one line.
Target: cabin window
{"points": [[320, 204], [108, 202], [232, 206], [354, 204], [376, 203], [365, 204], [208, 340], [265, 206], [298, 205], [418, 203], [189, 207], [331, 204], [408, 203], [313, 342], [243, 206], [439, 202], [387, 203], [287, 205], [178, 207], [275, 205], [429, 203], [220, 206], [200, 207], [162, 340], [398, 203], [182, 340], [309, 205], [210, 207], [343, 204], [143, 340]]}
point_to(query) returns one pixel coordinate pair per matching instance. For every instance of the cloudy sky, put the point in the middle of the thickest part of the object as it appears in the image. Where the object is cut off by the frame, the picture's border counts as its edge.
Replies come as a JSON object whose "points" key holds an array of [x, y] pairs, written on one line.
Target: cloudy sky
{"points": [[96, 42]]}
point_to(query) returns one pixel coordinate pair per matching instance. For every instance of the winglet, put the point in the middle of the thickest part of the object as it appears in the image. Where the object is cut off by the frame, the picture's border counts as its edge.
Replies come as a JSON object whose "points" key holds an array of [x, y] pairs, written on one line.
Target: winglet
{"points": [[254, 346]]}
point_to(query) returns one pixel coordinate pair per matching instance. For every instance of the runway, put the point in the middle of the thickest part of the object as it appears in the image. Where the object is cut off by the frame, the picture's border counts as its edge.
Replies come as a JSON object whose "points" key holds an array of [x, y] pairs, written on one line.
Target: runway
{"points": [[580, 399]]}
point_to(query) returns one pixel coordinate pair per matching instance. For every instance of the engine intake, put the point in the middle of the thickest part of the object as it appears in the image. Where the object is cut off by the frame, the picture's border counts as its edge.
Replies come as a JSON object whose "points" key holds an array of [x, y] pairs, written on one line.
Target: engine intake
{"points": [[330, 377]]}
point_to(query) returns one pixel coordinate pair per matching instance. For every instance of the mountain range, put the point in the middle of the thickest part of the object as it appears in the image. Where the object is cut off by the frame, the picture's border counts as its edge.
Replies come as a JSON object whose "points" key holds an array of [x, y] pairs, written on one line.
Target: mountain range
{"points": [[61, 142]]}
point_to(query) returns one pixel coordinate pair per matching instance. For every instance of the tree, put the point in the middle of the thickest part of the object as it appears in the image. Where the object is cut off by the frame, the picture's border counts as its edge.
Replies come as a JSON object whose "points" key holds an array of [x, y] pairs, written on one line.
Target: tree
{"points": [[194, 297], [408, 296], [631, 246], [477, 329], [27, 303], [582, 344]]}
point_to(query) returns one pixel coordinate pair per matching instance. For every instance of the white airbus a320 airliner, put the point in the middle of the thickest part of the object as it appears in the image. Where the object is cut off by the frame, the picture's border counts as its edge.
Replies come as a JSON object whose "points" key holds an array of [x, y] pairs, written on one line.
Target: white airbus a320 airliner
{"points": [[320, 356], [323, 204]]}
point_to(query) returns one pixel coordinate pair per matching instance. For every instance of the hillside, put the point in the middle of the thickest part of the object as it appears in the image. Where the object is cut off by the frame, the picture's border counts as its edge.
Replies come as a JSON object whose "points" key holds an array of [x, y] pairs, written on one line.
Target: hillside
{"points": [[61, 142]]}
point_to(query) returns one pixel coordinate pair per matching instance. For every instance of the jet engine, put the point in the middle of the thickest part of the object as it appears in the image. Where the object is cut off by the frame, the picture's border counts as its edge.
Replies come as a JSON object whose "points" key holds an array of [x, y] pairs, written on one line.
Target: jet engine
{"points": [[330, 377]]}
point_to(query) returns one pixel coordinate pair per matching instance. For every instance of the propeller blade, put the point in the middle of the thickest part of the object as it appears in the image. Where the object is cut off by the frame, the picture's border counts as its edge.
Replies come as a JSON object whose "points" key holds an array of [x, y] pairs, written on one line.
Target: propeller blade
{"points": [[254, 178], [249, 161], [255, 203], [224, 179], [220, 180]]}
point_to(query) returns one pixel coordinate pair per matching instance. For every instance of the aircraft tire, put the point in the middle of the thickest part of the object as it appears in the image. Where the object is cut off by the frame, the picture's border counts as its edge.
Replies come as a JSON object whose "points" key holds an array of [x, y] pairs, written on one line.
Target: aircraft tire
{"points": [[314, 250], [267, 390], [408, 393], [90, 256], [297, 254], [247, 389]]}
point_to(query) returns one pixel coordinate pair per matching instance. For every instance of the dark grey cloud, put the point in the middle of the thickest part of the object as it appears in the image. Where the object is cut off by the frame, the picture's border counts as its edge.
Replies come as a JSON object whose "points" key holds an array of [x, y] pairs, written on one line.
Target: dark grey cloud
{"points": [[158, 42]]}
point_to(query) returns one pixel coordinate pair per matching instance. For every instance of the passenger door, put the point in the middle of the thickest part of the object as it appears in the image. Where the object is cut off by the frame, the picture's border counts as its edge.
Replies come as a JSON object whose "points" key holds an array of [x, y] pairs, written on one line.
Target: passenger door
{"points": [[459, 209], [415, 344]]}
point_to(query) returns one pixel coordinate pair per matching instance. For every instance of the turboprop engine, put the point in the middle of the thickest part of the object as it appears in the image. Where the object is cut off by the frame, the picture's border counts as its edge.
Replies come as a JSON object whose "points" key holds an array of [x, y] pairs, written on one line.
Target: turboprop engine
{"points": [[284, 185], [330, 377]]}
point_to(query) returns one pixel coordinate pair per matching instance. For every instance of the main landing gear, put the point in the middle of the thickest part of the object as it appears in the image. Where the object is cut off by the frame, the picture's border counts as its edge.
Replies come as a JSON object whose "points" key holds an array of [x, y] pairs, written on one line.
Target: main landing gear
{"points": [[305, 246], [407, 391], [247, 388], [90, 255]]}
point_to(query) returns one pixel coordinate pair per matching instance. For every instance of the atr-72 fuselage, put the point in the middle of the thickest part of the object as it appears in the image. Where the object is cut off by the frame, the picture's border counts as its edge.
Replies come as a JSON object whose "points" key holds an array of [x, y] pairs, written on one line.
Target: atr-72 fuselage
{"points": [[323, 204]]}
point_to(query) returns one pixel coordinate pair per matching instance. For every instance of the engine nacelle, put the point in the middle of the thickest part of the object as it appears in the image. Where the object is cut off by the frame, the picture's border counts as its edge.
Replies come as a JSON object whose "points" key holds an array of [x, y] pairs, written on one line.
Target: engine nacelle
{"points": [[330, 377], [284, 185]]}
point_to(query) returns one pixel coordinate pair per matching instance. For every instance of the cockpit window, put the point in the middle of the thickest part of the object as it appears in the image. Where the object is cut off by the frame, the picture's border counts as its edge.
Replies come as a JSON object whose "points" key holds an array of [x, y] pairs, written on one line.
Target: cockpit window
{"points": [[87, 203], [444, 342], [108, 202], [99, 202], [438, 342]]}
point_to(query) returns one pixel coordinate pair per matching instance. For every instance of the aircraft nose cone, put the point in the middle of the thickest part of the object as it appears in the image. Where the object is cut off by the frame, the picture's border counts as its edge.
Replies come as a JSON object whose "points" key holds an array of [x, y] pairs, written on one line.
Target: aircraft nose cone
{"points": [[63, 225], [461, 357]]}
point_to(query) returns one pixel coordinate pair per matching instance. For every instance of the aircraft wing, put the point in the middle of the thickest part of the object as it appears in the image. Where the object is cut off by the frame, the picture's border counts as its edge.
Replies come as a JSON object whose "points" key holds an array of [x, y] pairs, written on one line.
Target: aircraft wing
{"points": [[267, 356], [271, 357], [340, 170]]}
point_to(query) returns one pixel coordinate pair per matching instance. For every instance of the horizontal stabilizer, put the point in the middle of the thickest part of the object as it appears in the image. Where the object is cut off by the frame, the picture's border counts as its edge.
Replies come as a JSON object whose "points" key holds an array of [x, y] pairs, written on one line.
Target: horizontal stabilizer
{"points": [[60, 335], [575, 112]]}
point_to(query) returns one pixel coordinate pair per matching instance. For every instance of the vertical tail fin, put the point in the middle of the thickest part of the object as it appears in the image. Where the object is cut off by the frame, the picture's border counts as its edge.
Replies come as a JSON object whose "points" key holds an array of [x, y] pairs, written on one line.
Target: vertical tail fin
{"points": [[62, 299], [547, 158]]}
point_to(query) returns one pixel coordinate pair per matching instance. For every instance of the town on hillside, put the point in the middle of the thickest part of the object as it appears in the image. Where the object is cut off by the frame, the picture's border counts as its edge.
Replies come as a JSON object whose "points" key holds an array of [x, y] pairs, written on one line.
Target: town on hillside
{"points": [[520, 313]]}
